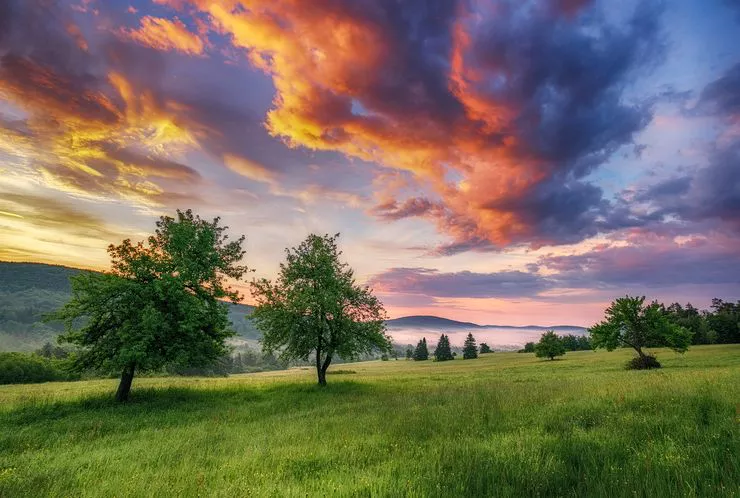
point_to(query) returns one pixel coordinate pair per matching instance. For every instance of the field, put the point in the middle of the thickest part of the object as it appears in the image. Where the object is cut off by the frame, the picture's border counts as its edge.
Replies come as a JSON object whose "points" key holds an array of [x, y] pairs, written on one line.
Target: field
{"points": [[506, 424]]}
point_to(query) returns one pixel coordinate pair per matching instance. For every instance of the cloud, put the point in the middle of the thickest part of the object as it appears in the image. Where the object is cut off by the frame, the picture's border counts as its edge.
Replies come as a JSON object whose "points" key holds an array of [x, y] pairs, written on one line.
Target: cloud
{"points": [[722, 96], [651, 261], [433, 283], [520, 103], [166, 35], [46, 213], [249, 169]]}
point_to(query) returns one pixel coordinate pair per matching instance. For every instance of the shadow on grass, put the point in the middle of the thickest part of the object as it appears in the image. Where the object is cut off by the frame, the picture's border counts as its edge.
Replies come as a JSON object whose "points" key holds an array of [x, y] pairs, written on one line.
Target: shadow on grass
{"points": [[189, 402]]}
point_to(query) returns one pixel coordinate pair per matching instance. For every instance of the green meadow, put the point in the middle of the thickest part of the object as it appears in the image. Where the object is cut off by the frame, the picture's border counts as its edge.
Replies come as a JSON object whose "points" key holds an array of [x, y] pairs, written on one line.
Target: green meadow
{"points": [[506, 424]]}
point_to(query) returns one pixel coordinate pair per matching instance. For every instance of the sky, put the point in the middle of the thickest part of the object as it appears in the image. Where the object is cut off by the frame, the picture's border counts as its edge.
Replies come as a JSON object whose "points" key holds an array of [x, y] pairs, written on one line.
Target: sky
{"points": [[503, 162]]}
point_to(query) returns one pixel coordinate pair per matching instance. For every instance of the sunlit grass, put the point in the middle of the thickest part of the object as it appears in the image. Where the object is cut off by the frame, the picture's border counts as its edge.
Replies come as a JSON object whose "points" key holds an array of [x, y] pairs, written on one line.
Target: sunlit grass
{"points": [[506, 424]]}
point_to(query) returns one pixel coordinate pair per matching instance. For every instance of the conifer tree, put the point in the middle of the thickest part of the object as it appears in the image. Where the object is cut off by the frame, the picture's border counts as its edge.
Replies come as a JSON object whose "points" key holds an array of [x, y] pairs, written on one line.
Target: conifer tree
{"points": [[443, 351], [470, 349], [485, 348], [421, 353], [409, 353]]}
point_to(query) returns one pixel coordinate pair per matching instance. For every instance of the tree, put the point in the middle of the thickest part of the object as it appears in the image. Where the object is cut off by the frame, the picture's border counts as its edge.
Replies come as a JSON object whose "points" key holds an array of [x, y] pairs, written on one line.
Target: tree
{"points": [[629, 322], [443, 352], [421, 353], [484, 348], [549, 346], [724, 321], [315, 308], [409, 353], [470, 349], [528, 348], [160, 304]]}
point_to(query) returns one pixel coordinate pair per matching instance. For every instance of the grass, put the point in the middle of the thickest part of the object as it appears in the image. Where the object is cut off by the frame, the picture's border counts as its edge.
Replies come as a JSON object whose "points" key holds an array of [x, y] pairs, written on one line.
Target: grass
{"points": [[506, 424]]}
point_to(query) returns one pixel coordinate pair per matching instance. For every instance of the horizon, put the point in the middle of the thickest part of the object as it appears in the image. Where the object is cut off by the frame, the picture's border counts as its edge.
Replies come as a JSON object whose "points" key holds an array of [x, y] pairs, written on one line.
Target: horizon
{"points": [[489, 162]]}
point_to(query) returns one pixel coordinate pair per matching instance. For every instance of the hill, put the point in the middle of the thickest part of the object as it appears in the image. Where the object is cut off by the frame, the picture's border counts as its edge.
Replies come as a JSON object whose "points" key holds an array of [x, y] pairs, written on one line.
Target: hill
{"points": [[435, 322], [427, 321], [28, 291]]}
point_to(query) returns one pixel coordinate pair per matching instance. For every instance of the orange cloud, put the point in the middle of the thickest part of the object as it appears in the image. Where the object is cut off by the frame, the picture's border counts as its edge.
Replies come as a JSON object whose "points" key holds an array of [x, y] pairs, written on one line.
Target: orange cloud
{"points": [[166, 35], [250, 169]]}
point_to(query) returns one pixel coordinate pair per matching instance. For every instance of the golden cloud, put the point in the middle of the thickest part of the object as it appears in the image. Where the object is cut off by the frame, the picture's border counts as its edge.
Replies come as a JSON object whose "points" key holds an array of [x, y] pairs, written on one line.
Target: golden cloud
{"points": [[166, 35]]}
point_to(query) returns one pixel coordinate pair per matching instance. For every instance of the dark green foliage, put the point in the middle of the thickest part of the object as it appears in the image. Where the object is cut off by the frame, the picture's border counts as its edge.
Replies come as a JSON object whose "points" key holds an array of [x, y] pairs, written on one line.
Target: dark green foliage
{"points": [[314, 307], [644, 362], [484, 348], [549, 346], [692, 320], [48, 350], [409, 353], [421, 353], [22, 368], [470, 349], [724, 322], [528, 348], [160, 305], [629, 322], [443, 352], [576, 342]]}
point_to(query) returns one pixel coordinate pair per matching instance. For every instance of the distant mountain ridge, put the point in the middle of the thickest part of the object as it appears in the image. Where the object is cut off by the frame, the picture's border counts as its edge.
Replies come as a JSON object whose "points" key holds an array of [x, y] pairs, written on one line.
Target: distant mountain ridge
{"points": [[30, 290], [435, 322]]}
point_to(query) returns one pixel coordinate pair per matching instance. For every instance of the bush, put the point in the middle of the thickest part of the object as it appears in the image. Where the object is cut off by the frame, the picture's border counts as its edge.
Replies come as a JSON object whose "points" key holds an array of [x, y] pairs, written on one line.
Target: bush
{"points": [[20, 368], [645, 362]]}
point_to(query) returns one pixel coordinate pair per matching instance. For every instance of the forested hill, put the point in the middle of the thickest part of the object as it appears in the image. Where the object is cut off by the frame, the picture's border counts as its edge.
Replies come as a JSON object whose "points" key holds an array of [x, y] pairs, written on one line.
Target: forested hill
{"points": [[30, 290]]}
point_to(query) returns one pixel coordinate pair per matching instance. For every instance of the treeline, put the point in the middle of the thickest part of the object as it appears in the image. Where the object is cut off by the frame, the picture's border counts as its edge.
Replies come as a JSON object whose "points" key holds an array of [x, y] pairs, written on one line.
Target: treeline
{"points": [[718, 325], [570, 343]]}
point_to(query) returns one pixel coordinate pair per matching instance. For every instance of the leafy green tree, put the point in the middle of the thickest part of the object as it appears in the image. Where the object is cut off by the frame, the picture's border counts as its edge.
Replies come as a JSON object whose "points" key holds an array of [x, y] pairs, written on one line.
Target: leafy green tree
{"points": [[421, 353], [160, 304], [485, 348], [549, 346], [315, 308], [528, 348], [409, 353], [629, 322], [443, 352], [470, 349]]}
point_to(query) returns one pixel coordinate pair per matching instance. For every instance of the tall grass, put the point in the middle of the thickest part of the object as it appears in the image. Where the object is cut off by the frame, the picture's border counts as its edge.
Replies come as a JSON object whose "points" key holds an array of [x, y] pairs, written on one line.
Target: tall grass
{"points": [[505, 424]]}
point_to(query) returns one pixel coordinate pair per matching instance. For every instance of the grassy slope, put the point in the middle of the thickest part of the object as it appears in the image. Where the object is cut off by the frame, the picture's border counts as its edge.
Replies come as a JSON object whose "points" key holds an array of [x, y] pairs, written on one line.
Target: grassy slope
{"points": [[504, 425]]}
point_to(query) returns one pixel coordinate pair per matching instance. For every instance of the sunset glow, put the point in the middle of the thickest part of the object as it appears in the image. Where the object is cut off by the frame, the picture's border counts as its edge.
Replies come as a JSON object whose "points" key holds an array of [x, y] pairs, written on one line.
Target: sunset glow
{"points": [[502, 162]]}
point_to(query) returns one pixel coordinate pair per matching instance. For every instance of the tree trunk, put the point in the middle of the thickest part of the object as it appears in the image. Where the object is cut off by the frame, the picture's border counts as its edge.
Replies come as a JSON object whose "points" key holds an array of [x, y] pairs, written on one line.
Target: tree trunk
{"points": [[324, 368], [322, 376], [639, 352], [124, 388]]}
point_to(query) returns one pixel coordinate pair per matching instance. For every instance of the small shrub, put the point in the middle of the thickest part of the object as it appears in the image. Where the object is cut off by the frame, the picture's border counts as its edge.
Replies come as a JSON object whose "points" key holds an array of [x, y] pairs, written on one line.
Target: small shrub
{"points": [[646, 362]]}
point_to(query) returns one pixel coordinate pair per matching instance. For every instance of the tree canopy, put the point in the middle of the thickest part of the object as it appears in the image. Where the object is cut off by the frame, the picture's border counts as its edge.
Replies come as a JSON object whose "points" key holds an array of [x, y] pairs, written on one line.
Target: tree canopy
{"points": [[629, 322], [484, 348], [314, 307], [549, 346], [161, 302], [443, 352], [470, 349]]}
